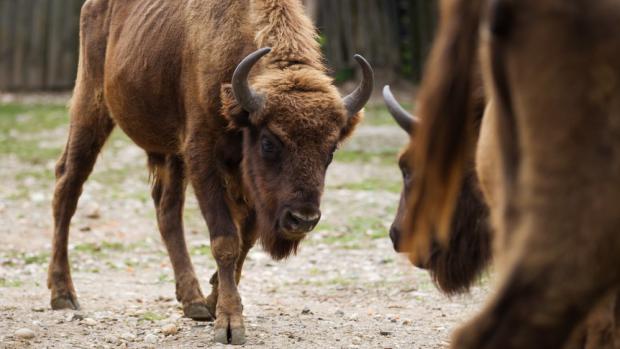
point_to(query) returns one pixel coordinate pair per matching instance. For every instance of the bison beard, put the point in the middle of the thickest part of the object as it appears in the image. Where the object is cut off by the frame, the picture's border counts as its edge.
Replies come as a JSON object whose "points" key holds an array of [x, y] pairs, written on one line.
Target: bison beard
{"points": [[455, 267]]}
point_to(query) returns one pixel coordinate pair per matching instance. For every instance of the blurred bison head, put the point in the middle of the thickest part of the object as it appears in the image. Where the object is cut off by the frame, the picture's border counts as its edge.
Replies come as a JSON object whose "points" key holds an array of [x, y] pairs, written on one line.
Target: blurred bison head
{"points": [[456, 266]]}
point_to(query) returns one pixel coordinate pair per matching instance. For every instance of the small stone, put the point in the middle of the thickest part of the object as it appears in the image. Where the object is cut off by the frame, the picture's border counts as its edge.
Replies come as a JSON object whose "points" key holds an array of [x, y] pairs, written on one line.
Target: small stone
{"points": [[130, 337], [76, 317], [24, 333], [93, 212], [352, 317], [89, 322], [150, 338], [306, 311], [406, 322], [169, 329], [85, 228], [339, 312], [38, 309], [385, 333]]}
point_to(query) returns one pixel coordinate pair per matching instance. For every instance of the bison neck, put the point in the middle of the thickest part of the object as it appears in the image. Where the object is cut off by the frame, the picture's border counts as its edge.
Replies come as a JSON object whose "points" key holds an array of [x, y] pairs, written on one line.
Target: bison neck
{"points": [[284, 26]]}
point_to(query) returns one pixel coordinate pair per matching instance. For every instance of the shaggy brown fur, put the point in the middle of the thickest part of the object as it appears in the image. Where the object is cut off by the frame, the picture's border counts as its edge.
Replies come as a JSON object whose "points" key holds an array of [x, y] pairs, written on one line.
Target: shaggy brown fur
{"points": [[456, 266], [551, 67], [160, 70]]}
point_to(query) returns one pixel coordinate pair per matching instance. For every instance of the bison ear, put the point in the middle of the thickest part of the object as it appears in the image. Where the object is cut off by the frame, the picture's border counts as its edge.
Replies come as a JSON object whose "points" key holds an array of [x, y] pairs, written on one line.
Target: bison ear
{"points": [[231, 110], [352, 122]]}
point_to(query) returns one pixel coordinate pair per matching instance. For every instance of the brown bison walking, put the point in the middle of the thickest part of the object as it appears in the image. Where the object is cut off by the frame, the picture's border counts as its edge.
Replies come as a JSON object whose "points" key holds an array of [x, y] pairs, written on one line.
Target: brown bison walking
{"points": [[551, 70], [254, 146]]}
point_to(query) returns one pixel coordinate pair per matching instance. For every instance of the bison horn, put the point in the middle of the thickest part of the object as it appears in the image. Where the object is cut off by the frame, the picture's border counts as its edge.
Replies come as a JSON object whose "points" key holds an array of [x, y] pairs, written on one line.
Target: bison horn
{"points": [[358, 98], [405, 120], [249, 100]]}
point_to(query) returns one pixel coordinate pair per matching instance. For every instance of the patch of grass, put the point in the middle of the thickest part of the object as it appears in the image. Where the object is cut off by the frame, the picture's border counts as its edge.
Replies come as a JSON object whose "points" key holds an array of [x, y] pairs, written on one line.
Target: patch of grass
{"points": [[32, 118], [374, 184], [383, 157], [152, 316], [10, 283], [339, 238], [36, 258], [201, 250], [100, 248], [41, 175], [378, 114], [17, 120], [165, 278], [366, 224]]}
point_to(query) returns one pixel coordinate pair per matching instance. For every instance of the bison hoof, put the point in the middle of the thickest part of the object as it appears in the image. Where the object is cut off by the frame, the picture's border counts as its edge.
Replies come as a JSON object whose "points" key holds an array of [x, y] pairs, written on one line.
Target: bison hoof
{"points": [[227, 333], [198, 312], [65, 302]]}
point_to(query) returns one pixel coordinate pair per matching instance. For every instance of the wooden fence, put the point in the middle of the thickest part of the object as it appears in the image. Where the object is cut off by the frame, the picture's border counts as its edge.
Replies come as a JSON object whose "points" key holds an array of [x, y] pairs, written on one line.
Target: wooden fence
{"points": [[39, 39], [395, 35], [38, 44]]}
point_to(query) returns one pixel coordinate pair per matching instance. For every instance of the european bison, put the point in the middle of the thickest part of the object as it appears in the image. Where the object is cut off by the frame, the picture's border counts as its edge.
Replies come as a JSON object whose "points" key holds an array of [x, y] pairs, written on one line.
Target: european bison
{"points": [[551, 69], [254, 146], [455, 266]]}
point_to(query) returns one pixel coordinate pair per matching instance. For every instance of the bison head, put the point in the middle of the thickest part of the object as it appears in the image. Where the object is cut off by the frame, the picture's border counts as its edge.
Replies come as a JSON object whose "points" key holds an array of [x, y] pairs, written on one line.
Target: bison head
{"points": [[292, 120], [455, 266]]}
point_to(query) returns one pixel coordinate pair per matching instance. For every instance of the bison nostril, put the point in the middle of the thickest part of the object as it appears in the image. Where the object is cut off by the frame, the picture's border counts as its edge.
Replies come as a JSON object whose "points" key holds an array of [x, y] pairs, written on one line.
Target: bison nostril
{"points": [[302, 222]]}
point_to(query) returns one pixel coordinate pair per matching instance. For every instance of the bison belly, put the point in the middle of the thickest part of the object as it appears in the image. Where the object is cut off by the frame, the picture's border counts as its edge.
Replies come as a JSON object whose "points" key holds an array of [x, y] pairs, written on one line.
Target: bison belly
{"points": [[142, 72]]}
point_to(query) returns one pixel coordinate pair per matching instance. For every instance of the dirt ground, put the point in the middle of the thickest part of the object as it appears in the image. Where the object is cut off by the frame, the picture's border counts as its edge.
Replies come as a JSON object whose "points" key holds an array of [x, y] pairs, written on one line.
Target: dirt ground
{"points": [[346, 288]]}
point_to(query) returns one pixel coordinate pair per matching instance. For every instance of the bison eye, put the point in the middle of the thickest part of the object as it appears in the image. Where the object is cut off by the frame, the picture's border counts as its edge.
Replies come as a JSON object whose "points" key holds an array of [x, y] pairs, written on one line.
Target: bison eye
{"points": [[406, 174], [269, 148], [330, 157]]}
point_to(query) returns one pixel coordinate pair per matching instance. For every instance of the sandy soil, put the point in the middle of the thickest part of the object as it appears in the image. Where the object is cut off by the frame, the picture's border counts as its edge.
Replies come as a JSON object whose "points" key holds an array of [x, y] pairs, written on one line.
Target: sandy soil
{"points": [[345, 289]]}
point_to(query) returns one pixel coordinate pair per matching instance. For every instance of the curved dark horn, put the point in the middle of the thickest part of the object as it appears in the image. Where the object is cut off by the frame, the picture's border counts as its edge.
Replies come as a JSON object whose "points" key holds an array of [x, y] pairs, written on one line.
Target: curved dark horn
{"points": [[358, 98], [403, 118], [249, 100]]}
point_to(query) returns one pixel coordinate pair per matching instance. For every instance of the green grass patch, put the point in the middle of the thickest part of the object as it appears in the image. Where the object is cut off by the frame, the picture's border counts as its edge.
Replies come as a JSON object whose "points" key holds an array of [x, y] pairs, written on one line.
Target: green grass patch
{"points": [[201, 250], [26, 257], [378, 115], [365, 224], [16, 120], [165, 279], [36, 258], [152, 316], [100, 248], [374, 184], [32, 118], [10, 283], [383, 157]]}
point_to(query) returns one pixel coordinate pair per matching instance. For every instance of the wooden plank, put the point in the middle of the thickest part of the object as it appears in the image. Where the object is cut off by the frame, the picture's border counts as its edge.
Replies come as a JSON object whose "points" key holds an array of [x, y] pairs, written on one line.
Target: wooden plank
{"points": [[54, 43], [20, 49], [34, 74], [7, 41], [63, 43]]}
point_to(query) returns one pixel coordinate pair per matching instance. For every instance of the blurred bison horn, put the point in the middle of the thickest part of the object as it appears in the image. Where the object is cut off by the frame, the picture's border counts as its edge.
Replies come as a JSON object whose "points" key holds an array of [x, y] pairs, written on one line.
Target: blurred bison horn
{"points": [[249, 100], [358, 98], [405, 120]]}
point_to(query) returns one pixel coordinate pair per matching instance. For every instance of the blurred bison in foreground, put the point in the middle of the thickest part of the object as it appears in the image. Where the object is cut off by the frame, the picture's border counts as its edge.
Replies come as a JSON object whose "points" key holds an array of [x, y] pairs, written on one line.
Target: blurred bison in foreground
{"points": [[551, 70], [255, 147], [456, 266]]}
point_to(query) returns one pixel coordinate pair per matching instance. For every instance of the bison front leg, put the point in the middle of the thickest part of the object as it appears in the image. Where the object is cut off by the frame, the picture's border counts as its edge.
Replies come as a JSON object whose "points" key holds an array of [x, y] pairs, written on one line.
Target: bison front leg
{"points": [[169, 195], [225, 246], [248, 236]]}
